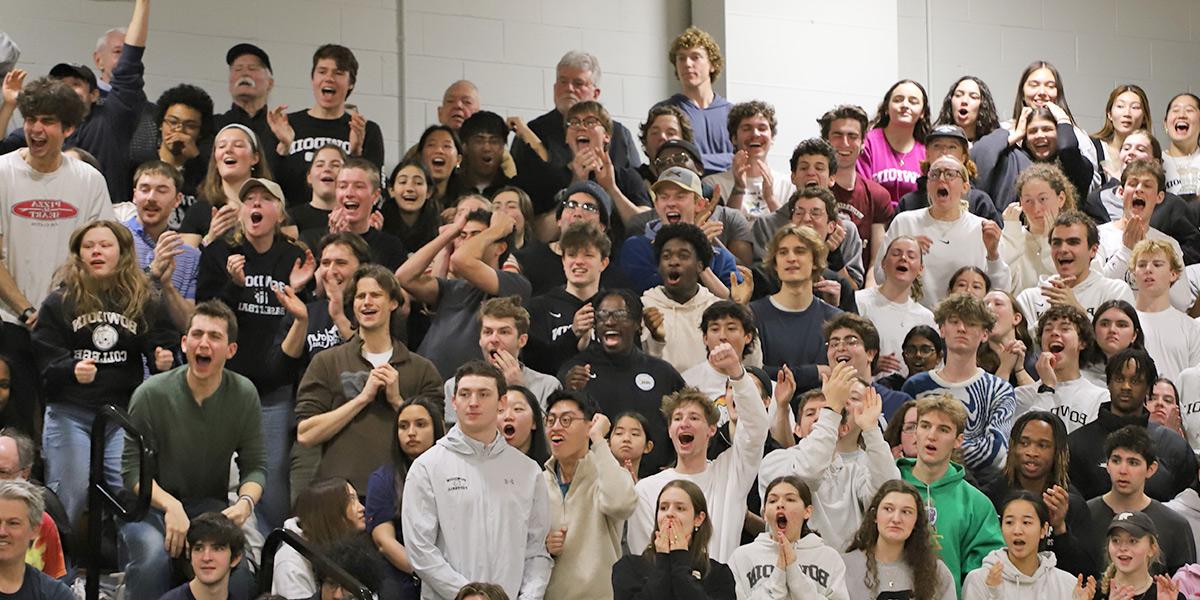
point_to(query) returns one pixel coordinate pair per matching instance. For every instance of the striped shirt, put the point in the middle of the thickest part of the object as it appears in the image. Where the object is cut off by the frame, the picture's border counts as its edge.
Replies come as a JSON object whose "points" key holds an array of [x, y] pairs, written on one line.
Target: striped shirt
{"points": [[187, 263]]}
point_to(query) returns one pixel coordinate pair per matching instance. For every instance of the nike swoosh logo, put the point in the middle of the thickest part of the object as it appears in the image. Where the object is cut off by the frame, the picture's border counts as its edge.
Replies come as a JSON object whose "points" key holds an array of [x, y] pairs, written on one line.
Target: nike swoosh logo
{"points": [[556, 315], [947, 242]]}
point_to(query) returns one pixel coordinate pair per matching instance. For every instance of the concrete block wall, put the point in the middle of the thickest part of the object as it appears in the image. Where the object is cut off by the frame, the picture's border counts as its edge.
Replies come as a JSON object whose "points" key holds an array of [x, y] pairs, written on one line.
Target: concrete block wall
{"points": [[509, 48], [188, 40], [1096, 45]]}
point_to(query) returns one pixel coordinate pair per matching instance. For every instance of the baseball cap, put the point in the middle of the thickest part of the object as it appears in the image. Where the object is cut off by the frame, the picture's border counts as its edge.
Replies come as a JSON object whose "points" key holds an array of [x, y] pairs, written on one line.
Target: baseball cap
{"points": [[948, 131], [689, 147], [684, 178], [592, 189], [243, 49], [260, 182], [1136, 523], [9, 54], [75, 70]]}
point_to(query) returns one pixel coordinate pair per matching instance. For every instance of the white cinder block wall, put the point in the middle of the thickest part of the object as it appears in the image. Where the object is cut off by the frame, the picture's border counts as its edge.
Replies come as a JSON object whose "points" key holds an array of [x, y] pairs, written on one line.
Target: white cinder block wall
{"points": [[188, 40], [1096, 45], [509, 48]]}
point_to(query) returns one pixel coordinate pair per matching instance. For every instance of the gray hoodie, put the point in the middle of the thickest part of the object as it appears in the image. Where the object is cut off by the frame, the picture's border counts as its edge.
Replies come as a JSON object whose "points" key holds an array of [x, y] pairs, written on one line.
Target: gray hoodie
{"points": [[1187, 505], [1047, 583], [476, 512], [817, 573]]}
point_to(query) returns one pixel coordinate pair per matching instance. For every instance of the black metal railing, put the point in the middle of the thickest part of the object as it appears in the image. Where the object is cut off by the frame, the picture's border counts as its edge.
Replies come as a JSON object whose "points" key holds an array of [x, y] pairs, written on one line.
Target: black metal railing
{"points": [[320, 563], [100, 498]]}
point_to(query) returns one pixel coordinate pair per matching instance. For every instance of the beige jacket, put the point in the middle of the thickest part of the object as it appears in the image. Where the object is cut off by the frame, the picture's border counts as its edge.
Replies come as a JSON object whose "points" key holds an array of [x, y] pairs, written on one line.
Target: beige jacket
{"points": [[593, 511]]}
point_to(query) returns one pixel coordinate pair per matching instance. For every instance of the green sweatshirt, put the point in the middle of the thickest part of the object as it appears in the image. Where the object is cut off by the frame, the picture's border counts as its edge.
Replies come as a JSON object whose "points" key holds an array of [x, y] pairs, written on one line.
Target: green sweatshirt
{"points": [[964, 520], [195, 441]]}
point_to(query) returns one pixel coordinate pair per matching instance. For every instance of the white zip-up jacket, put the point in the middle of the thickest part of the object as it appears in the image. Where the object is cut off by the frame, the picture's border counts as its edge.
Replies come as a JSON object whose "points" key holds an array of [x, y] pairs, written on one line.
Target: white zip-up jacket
{"points": [[476, 512], [725, 482], [842, 484], [1047, 583], [817, 572]]}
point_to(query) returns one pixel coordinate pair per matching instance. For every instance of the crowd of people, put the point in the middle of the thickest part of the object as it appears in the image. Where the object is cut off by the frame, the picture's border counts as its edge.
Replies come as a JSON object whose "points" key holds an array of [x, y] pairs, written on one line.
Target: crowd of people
{"points": [[946, 355]]}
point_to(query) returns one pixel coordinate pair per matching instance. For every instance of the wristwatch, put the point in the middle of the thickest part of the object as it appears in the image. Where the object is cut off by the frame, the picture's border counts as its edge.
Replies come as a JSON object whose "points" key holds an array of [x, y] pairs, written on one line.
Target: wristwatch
{"points": [[25, 314]]}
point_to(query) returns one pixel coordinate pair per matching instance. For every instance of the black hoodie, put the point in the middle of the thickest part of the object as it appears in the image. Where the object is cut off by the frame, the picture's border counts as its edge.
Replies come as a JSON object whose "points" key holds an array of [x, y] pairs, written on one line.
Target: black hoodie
{"points": [[1176, 462]]}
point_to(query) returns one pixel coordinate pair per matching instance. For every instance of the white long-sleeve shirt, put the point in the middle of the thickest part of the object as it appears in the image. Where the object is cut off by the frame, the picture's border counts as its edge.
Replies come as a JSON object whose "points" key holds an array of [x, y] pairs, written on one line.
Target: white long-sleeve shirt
{"points": [[1172, 340], [476, 512], [1095, 290], [725, 481], [892, 319], [1076, 402], [842, 483], [1113, 260]]}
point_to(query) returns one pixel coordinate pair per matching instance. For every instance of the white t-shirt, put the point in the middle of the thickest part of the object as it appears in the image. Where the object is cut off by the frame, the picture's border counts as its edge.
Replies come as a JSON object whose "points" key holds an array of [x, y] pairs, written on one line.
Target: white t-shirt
{"points": [[956, 244], [892, 319], [1112, 261], [38, 213], [1076, 402], [1094, 291], [754, 209], [1183, 173], [1172, 340]]}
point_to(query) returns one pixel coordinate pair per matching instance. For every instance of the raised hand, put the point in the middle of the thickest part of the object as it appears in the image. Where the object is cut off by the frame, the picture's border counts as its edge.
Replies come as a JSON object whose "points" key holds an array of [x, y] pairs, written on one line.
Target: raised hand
{"points": [[358, 132], [163, 359], [1057, 502], [836, 387], [235, 265], [302, 270], [867, 415], [725, 360], [1085, 591], [578, 377], [292, 303], [277, 120], [656, 323], [994, 576], [14, 81], [509, 366], [584, 320], [224, 219], [785, 387]]}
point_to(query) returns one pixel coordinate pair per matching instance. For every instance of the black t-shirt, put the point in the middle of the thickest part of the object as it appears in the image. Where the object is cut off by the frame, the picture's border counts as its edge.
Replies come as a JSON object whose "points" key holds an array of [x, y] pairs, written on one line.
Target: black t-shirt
{"points": [[386, 249], [311, 134], [39, 586], [306, 216]]}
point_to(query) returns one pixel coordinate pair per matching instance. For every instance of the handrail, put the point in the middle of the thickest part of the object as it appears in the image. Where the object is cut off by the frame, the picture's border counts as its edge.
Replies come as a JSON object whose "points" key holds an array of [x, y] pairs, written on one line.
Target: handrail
{"points": [[100, 498], [320, 564]]}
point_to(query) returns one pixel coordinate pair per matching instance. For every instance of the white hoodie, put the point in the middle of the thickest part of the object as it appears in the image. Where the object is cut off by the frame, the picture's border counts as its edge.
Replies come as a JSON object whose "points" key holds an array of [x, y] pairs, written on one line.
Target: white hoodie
{"points": [[818, 571], [1046, 583], [842, 484], [476, 512], [725, 481], [1187, 505], [292, 576]]}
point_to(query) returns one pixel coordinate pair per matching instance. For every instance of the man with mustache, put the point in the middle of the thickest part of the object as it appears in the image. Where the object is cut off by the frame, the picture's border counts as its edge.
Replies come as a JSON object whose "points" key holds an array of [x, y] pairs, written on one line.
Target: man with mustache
{"points": [[172, 264], [250, 84]]}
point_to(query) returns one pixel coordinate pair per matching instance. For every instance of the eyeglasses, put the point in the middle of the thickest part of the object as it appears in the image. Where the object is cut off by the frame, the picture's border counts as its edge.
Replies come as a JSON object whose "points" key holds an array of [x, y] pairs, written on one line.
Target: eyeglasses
{"points": [[174, 123], [919, 350], [908, 428], [576, 205], [619, 314], [945, 174], [816, 213], [566, 419], [849, 341], [588, 122]]}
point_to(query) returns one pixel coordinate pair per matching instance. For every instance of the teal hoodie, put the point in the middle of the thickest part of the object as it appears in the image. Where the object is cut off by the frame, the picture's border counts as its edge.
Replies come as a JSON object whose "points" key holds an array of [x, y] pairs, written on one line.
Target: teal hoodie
{"points": [[966, 525]]}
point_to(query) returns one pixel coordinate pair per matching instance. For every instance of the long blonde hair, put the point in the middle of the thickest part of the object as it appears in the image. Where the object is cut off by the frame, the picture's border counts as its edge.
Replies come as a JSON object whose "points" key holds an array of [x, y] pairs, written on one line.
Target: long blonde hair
{"points": [[128, 289]]}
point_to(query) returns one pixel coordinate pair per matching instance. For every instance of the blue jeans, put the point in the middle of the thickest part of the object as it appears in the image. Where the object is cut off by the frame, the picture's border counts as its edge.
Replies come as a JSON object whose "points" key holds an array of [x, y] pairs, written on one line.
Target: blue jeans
{"points": [[279, 429], [66, 442], [150, 572]]}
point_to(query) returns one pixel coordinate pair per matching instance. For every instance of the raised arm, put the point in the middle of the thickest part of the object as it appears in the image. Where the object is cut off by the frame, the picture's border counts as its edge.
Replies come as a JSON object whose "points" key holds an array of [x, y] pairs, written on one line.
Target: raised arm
{"points": [[468, 260], [411, 274], [135, 35]]}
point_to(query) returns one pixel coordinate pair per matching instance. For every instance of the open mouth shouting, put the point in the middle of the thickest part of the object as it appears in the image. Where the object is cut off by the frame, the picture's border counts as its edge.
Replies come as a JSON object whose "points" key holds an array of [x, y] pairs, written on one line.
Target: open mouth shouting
{"points": [[1181, 127], [942, 191], [509, 431], [582, 141], [781, 521], [611, 338], [37, 143], [841, 357], [256, 217], [202, 360], [674, 217], [686, 439], [328, 92], [556, 439], [672, 277]]}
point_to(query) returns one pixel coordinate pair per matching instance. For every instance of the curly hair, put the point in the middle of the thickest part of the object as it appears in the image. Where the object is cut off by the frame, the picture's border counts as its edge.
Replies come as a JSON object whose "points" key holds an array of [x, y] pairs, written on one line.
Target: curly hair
{"points": [[690, 395], [987, 119], [815, 147], [126, 291], [688, 233], [744, 110], [193, 98], [1107, 132], [1053, 176], [882, 118], [46, 96], [968, 308], [919, 551], [694, 37], [666, 110]]}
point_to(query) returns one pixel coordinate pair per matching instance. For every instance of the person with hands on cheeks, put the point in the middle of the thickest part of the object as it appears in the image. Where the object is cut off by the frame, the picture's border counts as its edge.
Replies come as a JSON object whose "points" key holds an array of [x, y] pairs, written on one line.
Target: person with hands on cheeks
{"points": [[244, 272], [334, 76], [172, 264], [591, 495], [185, 123], [949, 236], [789, 561], [893, 553], [750, 184], [1163, 406], [1065, 337], [1074, 241], [94, 331], [1042, 193], [350, 394], [198, 416], [503, 334], [1037, 465], [1133, 553], [854, 340], [841, 455], [1008, 353], [675, 564], [725, 481], [1019, 570]]}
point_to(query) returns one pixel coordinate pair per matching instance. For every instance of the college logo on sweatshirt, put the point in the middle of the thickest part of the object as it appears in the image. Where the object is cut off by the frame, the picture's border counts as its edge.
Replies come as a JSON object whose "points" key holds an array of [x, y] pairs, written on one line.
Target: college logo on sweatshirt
{"points": [[456, 484], [814, 572], [45, 210]]}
